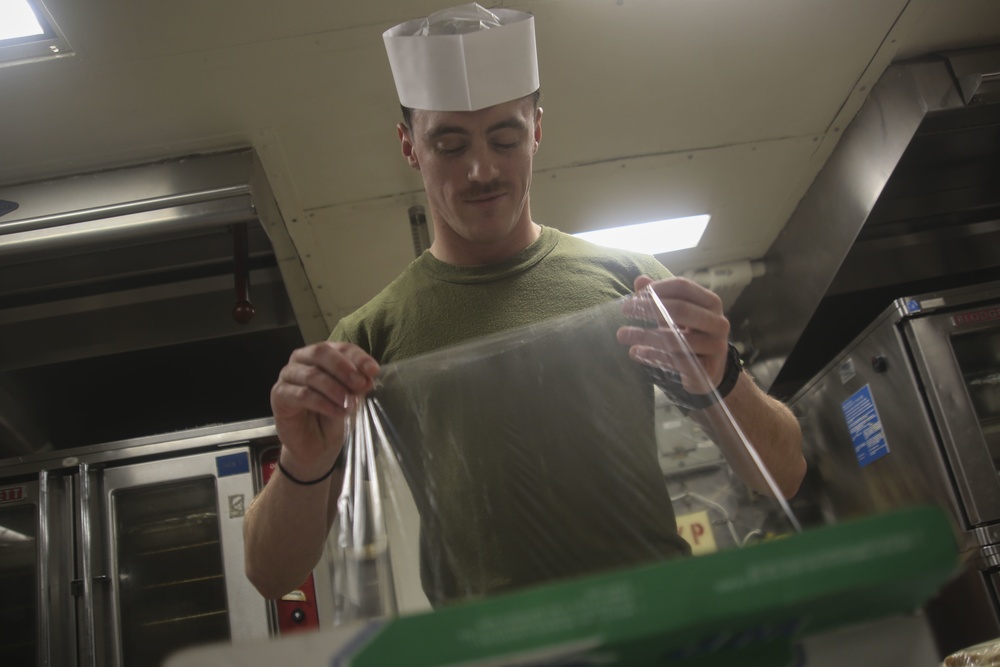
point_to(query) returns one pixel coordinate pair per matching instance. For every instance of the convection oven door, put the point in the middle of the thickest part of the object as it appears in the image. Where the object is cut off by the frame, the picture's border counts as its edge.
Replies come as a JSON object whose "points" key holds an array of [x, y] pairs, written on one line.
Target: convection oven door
{"points": [[36, 570], [958, 357], [19, 576], [173, 543]]}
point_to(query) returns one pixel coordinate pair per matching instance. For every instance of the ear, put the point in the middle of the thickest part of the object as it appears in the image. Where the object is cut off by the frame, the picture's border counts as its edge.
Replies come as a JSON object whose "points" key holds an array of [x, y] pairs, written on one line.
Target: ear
{"points": [[538, 128], [406, 145]]}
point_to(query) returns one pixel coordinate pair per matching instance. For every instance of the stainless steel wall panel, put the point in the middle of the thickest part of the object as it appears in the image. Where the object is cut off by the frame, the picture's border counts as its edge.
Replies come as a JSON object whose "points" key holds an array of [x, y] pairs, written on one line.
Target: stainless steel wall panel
{"points": [[774, 310]]}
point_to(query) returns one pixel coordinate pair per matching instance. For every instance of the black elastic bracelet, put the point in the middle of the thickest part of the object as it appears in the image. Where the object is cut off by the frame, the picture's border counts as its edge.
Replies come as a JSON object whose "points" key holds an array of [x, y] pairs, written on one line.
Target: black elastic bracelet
{"points": [[300, 482]]}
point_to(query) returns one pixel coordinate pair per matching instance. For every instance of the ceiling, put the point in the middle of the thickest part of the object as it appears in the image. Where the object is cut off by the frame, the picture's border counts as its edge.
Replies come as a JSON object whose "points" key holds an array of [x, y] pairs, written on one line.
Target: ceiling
{"points": [[653, 108]]}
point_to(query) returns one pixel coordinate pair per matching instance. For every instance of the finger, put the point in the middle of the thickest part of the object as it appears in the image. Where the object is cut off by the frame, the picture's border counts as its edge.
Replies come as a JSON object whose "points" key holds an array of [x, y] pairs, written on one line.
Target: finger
{"points": [[684, 289], [288, 399], [693, 375], [675, 341], [661, 339], [344, 363], [684, 351]]}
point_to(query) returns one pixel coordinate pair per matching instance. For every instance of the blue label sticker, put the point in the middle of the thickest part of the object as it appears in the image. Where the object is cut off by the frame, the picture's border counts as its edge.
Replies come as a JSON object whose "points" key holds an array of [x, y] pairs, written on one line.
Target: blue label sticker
{"points": [[865, 426], [232, 464], [913, 306]]}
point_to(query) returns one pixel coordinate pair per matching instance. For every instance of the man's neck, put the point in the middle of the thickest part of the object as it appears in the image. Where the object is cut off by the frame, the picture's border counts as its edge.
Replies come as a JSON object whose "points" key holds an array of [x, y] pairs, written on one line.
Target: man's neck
{"points": [[453, 249]]}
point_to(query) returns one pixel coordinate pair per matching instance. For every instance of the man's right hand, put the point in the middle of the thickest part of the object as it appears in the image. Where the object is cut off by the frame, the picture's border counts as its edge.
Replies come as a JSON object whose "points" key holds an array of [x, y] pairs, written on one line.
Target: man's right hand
{"points": [[312, 400]]}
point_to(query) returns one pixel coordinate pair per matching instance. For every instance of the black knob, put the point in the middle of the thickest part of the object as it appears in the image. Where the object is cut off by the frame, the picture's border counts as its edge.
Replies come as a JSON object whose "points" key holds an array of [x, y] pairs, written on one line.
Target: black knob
{"points": [[880, 364], [298, 615]]}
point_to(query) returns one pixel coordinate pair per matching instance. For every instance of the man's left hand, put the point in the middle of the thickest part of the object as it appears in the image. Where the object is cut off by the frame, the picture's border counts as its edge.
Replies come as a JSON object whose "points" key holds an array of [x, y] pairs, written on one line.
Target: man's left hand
{"points": [[698, 316]]}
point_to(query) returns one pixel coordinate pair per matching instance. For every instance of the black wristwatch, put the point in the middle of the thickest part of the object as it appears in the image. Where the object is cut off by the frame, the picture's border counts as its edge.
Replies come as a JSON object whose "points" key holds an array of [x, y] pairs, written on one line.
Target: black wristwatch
{"points": [[670, 383]]}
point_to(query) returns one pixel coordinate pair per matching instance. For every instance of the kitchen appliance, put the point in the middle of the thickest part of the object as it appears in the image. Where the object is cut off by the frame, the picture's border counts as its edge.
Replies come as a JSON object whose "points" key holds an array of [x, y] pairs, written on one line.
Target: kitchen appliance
{"points": [[909, 412], [118, 555]]}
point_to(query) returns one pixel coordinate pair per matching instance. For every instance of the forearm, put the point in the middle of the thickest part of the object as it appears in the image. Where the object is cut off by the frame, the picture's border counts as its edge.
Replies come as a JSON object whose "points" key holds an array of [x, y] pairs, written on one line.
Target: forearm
{"points": [[771, 428], [285, 531]]}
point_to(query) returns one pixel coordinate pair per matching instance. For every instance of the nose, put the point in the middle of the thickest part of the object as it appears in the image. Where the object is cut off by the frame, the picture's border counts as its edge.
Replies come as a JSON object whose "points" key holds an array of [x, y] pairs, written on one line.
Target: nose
{"points": [[483, 166]]}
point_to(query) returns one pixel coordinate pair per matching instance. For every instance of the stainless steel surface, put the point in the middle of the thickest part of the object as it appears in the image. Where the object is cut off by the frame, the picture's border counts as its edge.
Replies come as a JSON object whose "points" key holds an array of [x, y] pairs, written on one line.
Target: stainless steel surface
{"points": [[988, 534], [142, 318], [19, 574], [977, 73], [77, 497], [911, 360], [44, 571], [808, 252], [975, 470], [912, 471], [832, 247], [86, 196], [55, 236], [245, 615], [88, 639], [117, 289], [234, 196], [158, 446]]}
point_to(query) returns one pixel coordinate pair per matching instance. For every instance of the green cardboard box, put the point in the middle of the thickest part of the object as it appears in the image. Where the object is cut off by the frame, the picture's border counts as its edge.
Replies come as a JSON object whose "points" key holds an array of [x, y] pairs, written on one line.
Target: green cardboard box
{"points": [[747, 606]]}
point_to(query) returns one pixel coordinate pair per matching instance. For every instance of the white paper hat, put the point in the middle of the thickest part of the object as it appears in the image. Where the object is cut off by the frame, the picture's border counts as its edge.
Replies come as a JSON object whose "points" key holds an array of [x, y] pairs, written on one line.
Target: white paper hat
{"points": [[463, 59]]}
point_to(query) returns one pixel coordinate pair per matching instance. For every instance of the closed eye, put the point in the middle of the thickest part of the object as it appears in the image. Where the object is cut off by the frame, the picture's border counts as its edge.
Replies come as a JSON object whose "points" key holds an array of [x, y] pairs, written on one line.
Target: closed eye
{"points": [[448, 149]]}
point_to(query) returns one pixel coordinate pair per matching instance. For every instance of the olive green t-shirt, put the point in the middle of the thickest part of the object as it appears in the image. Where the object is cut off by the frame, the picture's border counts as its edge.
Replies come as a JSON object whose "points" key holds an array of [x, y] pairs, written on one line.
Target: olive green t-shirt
{"points": [[432, 305], [523, 429]]}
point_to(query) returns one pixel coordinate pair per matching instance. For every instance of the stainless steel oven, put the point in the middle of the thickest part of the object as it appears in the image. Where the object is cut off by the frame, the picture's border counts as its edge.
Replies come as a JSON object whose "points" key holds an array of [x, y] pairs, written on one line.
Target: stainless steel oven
{"points": [[117, 556], [910, 412]]}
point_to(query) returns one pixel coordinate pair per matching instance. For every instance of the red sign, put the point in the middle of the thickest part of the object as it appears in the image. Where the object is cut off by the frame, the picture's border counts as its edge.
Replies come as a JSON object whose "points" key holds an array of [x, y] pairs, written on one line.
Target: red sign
{"points": [[269, 463], [976, 317], [12, 494]]}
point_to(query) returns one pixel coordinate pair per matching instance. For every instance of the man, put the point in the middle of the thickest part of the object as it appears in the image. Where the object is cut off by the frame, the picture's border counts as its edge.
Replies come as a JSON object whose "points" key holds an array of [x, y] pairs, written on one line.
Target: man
{"points": [[472, 133]]}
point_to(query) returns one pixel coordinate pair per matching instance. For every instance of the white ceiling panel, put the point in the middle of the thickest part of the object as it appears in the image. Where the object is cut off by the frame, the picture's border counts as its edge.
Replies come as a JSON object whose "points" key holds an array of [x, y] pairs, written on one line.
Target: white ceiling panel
{"points": [[651, 106]]}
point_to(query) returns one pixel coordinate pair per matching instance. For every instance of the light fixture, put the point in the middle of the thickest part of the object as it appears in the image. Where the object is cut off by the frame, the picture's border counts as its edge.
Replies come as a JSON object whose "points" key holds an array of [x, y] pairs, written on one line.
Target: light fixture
{"points": [[18, 20], [652, 238], [28, 33]]}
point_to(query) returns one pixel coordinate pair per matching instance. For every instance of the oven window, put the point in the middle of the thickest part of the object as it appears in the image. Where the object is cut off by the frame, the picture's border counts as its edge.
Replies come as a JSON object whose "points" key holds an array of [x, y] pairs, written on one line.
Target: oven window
{"points": [[18, 573], [978, 356], [171, 581]]}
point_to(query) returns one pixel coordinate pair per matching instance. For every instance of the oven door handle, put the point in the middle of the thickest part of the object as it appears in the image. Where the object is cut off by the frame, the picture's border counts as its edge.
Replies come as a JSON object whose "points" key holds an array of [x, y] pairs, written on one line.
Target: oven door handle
{"points": [[89, 644], [44, 544]]}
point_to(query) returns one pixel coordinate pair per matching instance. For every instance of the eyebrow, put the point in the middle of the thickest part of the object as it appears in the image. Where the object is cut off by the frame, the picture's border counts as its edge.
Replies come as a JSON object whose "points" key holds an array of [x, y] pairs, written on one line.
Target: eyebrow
{"points": [[514, 122]]}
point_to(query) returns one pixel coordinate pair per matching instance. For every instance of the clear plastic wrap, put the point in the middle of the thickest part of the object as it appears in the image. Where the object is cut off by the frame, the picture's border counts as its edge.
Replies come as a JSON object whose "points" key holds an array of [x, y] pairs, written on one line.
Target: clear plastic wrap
{"points": [[458, 21], [980, 655], [537, 455]]}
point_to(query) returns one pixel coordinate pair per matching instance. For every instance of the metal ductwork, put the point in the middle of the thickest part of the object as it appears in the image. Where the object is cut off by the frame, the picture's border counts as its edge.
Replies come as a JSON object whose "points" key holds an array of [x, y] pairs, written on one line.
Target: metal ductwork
{"points": [[908, 202], [144, 300]]}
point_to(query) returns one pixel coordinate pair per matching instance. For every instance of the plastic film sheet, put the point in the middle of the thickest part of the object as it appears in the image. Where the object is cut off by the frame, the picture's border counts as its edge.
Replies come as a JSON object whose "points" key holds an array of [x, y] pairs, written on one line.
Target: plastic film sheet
{"points": [[537, 455], [980, 655]]}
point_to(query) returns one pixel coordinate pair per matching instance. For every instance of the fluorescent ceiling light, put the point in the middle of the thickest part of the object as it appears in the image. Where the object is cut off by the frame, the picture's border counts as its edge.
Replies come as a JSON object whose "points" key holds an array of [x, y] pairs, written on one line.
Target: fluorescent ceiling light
{"points": [[652, 238], [18, 20], [28, 33]]}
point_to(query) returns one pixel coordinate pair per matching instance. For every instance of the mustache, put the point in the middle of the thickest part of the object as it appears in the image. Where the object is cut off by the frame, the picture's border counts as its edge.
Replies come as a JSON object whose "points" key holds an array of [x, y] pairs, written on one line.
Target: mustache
{"points": [[484, 190]]}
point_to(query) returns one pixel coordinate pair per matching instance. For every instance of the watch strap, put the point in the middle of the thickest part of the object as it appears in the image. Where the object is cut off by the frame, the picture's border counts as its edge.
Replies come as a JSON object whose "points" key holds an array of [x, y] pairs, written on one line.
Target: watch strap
{"points": [[670, 383]]}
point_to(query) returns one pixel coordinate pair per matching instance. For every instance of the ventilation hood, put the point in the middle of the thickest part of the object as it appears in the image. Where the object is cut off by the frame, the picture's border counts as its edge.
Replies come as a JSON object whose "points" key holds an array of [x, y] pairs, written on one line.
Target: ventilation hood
{"points": [[120, 313], [908, 202]]}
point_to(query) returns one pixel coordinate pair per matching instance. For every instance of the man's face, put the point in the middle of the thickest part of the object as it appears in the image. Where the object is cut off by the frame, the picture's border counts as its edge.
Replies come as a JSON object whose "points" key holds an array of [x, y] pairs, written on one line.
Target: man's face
{"points": [[476, 167]]}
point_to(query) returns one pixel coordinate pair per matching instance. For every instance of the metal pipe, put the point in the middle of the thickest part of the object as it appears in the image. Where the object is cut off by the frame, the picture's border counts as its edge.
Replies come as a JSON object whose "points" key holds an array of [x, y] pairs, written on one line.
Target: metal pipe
{"points": [[123, 208], [135, 225], [418, 229]]}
